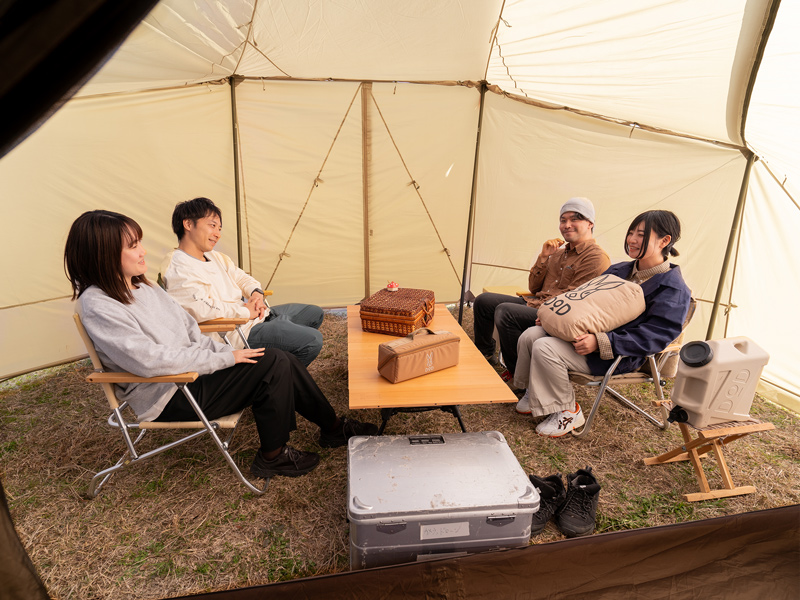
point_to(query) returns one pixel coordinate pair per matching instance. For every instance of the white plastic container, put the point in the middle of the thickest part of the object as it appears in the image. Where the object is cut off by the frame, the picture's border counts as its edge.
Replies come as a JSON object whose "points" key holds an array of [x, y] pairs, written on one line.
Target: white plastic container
{"points": [[414, 498], [716, 381]]}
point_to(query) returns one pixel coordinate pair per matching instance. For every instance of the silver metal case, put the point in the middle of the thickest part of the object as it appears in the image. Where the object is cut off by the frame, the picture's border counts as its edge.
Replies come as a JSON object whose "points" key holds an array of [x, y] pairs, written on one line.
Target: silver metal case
{"points": [[429, 496]]}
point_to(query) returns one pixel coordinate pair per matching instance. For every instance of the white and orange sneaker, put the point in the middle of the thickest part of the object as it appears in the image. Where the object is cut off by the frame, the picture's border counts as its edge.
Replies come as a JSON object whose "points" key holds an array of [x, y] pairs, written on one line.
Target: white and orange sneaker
{"points": [[561, 423]]}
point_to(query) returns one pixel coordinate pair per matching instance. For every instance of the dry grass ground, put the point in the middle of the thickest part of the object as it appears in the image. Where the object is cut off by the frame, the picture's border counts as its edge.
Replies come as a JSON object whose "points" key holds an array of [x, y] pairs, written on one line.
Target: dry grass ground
{"points": [[181, 524]]}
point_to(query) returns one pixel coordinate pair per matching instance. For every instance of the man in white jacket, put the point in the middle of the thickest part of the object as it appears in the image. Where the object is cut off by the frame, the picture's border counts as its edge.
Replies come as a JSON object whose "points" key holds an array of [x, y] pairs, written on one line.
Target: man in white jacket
{"points": [[209, 285]]}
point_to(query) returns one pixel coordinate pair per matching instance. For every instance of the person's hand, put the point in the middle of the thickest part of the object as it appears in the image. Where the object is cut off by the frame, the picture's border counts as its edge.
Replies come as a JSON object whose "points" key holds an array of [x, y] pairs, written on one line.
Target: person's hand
{"points": [[550, 246], [261, 306], [538, 322], [247, 355], [585, 344], [256, 306]]}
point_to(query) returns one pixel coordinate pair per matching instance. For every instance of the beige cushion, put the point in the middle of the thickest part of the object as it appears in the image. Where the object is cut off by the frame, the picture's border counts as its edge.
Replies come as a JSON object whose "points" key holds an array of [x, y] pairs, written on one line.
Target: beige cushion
{"points": [[599, 305]]}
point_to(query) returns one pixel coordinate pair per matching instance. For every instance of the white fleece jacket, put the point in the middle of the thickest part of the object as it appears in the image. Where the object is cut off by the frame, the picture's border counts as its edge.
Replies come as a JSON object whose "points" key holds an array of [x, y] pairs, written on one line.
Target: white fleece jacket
{"points": [[210, 289]]}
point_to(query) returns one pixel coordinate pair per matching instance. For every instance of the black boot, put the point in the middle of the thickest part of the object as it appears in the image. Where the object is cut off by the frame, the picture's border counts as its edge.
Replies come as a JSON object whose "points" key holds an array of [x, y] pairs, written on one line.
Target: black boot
{"points": [[577, 515], [551, 497]]}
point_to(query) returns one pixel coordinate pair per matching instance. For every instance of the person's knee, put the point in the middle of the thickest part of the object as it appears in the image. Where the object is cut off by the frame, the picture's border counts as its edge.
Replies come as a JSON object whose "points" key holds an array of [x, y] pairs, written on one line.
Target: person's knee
{"points": [[317, 315], [502, 315], [308, 351]]}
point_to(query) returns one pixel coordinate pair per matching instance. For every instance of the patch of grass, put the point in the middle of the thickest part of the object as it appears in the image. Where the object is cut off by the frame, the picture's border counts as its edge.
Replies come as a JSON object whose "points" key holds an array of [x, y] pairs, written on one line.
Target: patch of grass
{"points": [[180, 523], [638, 511]]}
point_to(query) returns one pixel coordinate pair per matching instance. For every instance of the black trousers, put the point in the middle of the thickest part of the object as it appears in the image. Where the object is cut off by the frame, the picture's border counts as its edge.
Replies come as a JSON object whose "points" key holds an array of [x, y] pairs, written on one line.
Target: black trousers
{"points": [[511, 315], [276, 386]]}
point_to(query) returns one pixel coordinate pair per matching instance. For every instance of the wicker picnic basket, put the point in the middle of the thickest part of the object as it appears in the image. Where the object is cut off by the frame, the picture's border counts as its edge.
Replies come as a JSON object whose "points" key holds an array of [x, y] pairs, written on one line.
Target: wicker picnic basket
{"points": [[397, 313]]}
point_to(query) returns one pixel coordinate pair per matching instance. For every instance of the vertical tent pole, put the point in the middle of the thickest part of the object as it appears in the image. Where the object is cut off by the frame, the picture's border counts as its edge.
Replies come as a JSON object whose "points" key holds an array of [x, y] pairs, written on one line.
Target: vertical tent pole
{"points": [[468, 244], [237, 194], [737, 216], [366, 93]]}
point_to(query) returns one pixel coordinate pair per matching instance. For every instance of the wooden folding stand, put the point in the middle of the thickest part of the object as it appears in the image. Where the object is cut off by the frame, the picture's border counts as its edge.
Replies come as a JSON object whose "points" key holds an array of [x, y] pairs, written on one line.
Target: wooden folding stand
{"points": [[711, 438]]}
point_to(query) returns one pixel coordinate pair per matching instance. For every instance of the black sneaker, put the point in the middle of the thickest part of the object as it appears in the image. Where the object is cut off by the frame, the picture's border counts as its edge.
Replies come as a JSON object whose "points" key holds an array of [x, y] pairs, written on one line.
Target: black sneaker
{"points": [[576, 516], [551, 497], [348, 429], [291, 462]]}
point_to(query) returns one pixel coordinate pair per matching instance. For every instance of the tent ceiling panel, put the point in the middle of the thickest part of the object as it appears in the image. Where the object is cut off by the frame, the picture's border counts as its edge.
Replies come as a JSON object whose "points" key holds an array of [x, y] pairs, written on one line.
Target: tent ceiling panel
{"points": [[773, 120], [178, 43], [138, 155], [675, 65], [533, 160], [183, 41], [376, 40]]}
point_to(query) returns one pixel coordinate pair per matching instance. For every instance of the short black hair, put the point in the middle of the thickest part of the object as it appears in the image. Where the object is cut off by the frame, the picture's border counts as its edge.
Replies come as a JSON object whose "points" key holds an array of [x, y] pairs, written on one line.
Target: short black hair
{"points": [[664, 223], [197, 208]]}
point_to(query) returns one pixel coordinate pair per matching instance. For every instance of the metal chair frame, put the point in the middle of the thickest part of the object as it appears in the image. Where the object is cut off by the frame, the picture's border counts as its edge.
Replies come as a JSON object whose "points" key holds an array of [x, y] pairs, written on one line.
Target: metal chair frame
{"points": [[117, 420]]}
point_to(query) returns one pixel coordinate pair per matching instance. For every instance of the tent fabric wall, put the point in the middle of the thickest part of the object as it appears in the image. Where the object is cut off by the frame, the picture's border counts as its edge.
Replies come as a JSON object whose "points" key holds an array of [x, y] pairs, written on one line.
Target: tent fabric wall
{"points": [[534, 159], [155, 125], [743, 556]]}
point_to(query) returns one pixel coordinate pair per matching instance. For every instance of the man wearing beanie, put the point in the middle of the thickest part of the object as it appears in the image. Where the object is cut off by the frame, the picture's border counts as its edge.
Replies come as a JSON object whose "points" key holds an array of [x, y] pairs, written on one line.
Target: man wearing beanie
{"points": [[562, 265]]}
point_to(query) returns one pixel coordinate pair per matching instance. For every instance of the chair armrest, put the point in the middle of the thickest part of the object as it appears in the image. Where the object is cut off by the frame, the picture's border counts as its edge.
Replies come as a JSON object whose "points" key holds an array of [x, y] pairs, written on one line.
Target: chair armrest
{"points": [[221, 325], [122, 377]]}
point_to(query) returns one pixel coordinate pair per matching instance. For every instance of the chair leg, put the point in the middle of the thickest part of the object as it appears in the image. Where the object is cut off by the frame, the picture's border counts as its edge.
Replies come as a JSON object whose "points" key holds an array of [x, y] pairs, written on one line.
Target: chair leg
{"points": [[601, 390], [222, 446]]}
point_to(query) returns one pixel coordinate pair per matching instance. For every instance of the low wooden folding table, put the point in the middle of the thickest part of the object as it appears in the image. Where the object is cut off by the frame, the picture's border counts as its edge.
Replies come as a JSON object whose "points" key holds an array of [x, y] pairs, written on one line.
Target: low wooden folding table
{"points": [[472, 381]]}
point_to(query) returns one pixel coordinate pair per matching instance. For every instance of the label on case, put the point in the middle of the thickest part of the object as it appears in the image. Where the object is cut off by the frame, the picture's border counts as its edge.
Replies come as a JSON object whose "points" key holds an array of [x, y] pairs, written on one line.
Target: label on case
{"points": [[437, 531]]}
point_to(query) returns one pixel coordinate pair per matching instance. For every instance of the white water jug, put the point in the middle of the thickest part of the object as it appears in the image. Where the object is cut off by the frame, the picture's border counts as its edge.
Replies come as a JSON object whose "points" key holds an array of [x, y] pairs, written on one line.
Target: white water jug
{"points": [[716, 381]]}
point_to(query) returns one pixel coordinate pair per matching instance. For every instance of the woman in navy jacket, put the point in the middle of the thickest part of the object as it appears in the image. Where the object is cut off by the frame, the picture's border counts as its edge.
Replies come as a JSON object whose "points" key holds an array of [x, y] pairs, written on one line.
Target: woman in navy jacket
{"points": [[650, 240]]}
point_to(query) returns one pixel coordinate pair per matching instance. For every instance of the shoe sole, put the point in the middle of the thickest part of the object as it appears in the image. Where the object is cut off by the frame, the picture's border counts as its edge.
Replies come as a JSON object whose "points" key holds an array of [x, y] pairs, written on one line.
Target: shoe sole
{"points": [[267, 473], [519, 412], [571, 533]]}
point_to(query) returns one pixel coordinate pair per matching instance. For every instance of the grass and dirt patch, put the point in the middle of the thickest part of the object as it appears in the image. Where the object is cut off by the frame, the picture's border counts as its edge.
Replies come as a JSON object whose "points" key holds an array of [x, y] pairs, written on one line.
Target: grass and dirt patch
{"points": [[181, 523]]}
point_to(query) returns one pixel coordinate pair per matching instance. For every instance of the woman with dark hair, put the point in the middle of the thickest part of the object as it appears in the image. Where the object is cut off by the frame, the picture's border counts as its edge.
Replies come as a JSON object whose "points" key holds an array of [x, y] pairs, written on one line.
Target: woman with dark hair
{"points": [[137, 327], [544, 361]]}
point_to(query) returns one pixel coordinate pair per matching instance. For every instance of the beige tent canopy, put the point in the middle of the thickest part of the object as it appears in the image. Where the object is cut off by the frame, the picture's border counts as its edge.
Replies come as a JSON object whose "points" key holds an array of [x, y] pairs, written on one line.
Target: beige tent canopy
{"points": [[349, 143]]}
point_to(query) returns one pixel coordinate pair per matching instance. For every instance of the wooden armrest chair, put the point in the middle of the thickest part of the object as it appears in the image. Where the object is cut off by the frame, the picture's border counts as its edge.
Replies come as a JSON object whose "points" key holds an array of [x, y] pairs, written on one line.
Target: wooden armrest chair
{"points": [[117, 419], [656, 370]]}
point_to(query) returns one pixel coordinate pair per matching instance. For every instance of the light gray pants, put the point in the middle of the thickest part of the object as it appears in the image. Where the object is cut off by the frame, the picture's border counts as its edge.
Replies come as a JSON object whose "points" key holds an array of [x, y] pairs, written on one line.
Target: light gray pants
{"points": [[542, 366]]}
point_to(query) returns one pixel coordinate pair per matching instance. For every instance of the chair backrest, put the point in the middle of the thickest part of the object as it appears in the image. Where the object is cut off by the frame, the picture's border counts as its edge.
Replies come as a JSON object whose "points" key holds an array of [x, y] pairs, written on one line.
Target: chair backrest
{"points": [[108, 388], [670, 367]]}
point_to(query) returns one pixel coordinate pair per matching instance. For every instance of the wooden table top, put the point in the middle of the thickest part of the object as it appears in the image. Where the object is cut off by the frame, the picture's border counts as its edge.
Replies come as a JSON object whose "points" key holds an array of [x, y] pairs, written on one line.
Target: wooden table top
{"points": [[471, 381]]}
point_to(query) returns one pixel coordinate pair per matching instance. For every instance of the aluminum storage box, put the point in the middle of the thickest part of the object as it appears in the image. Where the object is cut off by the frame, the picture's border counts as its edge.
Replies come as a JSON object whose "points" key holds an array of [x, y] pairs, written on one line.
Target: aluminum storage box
{"points": [[417, 497]]}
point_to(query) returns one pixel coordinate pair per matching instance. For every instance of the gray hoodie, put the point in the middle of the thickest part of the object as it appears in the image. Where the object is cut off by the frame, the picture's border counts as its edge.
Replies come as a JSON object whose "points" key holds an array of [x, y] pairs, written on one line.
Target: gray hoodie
{"points": [[151, 336]]}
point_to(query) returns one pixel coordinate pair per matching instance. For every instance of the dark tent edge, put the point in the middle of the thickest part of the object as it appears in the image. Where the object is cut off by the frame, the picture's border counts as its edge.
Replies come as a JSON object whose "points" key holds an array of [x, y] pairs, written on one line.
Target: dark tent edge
{"points": [[739, 556]]}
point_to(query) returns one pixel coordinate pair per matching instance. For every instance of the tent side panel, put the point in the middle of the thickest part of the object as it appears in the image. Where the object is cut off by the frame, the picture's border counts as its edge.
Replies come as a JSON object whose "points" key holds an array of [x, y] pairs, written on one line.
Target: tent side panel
{"points": [[137, 154], [302, 158], [533, 160], [767, 282]]}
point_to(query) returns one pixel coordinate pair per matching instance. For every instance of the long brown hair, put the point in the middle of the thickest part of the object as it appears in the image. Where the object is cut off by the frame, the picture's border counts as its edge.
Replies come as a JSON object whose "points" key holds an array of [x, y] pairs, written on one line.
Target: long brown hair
{"points": [[93, 253]]}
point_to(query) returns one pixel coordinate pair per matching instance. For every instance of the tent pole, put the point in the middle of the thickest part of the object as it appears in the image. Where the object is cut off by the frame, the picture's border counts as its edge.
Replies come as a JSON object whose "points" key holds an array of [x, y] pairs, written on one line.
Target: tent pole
{"points": [[236, 190], [737, 217], [468, 244], [366, 93]]}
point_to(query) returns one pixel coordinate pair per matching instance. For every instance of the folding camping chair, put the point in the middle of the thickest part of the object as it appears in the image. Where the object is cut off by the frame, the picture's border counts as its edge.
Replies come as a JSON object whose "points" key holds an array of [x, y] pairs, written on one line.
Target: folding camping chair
{"points": [[656, 370], [117, 419]]}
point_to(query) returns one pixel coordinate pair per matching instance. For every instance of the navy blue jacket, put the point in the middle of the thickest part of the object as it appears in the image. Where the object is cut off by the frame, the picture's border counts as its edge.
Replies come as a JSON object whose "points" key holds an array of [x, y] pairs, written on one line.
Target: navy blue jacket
{"points": [[666, 298]]}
